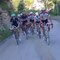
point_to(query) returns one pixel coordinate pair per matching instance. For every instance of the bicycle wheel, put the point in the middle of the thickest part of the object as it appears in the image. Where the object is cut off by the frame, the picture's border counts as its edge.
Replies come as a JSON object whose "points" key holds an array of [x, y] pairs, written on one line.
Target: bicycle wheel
{"points": [[39, 34], [39, 31], [17, 38], [47, 39], [32, 30], [26, 31], [26, 34]]}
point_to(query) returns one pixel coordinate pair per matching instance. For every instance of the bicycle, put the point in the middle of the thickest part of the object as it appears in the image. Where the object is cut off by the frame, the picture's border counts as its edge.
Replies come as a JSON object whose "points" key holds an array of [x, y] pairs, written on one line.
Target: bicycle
{"points": [[32, 29], [26, 28], [47, 36], [16, 34], [39, 30]]}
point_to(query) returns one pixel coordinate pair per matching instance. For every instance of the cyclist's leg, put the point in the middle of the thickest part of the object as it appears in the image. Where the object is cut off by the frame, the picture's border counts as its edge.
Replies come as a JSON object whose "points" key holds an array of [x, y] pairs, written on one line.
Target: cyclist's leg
{"points": [[37, 25], [18, 32], [43, 30], [23, 25], [48, 28], [32, 22], [48, 24]]}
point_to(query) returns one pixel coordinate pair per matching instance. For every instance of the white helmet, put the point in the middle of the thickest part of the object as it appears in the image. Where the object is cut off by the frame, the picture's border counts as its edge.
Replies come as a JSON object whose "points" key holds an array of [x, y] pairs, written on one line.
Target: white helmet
{"points": [[36, 13], [21, 14], [31, 12], [18, 15], [43, 9]]}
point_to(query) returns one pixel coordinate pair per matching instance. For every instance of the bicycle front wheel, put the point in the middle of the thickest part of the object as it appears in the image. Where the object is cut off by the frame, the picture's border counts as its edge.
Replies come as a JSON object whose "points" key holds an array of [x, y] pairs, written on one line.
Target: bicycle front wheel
{"points": [[17, 38]]}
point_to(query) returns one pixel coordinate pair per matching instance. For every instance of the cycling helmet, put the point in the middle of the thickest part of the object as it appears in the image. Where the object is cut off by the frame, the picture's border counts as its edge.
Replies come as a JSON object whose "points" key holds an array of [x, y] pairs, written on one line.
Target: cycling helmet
{"points": [[43, 9], [36, 13], [21, 14], [31, 12], [13, 15], [18, 15]]}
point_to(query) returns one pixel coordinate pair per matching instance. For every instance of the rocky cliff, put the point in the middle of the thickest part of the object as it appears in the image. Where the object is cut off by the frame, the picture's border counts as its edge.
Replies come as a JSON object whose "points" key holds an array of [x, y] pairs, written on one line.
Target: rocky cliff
{"points": [[4, 19]]}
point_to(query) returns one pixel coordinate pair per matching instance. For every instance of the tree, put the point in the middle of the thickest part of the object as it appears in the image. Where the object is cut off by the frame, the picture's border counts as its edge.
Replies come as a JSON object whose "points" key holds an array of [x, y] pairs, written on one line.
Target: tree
{"points": [[15, 4], [21, 6], [28, 3]]}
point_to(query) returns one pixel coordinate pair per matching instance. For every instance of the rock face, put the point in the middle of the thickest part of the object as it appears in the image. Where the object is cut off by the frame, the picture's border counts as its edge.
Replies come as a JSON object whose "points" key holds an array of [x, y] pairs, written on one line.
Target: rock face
{"points": [[4, 19]]}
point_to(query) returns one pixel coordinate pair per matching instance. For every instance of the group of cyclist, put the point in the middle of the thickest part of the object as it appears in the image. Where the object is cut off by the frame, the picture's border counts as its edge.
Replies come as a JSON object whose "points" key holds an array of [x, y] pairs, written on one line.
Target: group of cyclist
{"points": [[27, 18]]}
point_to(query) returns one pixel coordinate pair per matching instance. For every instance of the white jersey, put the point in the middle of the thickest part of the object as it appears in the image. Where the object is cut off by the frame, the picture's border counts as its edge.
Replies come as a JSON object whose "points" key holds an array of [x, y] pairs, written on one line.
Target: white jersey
{"points": [[37, 18], [44, 16], [31, 17]]}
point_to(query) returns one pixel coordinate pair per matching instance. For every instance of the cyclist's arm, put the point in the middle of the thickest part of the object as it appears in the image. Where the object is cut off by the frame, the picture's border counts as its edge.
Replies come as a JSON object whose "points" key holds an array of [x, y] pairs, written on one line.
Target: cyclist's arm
{"points": [[40, 21], [50, 20], [34, 19]]}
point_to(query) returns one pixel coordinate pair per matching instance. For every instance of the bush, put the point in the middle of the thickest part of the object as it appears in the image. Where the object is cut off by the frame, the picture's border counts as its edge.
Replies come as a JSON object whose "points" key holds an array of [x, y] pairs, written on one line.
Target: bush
{"points": [[4, 34], [5, 6], [0, 12], [34, 11], [21, 7]]}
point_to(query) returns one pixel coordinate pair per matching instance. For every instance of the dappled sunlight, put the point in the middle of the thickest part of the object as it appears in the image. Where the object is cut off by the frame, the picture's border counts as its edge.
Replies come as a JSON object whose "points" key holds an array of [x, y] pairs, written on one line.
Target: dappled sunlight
{"points": [[24, 5], [28, 3], [31, 4], [15, 4], [38, 4]]}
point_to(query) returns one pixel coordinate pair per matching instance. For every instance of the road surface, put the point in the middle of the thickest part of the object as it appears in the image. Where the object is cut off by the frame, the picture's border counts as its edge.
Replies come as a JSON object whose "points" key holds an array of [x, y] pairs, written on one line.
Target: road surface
{"points": [[32, 49]]}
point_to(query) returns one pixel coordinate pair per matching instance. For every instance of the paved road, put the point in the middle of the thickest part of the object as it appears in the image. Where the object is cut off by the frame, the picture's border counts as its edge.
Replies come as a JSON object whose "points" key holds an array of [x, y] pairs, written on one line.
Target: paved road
{"points": [[55, 40], [32, 49]]}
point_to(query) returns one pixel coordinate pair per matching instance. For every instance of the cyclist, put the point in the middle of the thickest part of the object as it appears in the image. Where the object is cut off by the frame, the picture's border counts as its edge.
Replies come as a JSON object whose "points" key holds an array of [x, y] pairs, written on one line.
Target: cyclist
{"points": [[24, 19], [14, 22], [37, 20], [31, 17], [44, 17], [19, 17]]}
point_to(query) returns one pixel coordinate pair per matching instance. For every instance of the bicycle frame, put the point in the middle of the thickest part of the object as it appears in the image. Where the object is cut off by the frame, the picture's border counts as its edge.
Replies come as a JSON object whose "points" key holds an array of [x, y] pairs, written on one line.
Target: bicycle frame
{"points": [[39, 30], [32, 28], [47, 36]]}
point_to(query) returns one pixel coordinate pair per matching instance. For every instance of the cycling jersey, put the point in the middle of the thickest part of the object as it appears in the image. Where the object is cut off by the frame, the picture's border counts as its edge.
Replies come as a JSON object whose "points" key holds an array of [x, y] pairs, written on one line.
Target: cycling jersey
{"points": [[24, 19], [31, 17], [44, 16], [14, 22], [37, 18]]}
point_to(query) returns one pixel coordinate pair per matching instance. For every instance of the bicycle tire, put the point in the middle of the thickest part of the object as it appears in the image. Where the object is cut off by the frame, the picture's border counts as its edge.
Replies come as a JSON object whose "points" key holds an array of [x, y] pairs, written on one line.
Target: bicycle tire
{"points": [[17, 38]]}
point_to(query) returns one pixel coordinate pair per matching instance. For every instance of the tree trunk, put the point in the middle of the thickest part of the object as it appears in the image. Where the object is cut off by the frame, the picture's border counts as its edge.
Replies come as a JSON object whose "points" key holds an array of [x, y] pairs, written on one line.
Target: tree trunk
{"points": [[57, 7]]}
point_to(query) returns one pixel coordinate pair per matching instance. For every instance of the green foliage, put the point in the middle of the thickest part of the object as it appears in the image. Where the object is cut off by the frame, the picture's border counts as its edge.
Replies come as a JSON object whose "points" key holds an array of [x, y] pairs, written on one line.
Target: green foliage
{"points": [[4, 5], [4, 34], [1, 1], [21, 7], [49, 5], [55, 10], [59, 8], [34, 11], [0, 12], [15, 4], [28, 3]]}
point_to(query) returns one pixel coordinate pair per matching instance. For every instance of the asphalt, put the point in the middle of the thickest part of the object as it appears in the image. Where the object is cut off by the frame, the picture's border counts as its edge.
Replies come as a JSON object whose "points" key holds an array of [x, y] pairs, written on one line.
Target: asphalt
{"points": [[32, 49]]}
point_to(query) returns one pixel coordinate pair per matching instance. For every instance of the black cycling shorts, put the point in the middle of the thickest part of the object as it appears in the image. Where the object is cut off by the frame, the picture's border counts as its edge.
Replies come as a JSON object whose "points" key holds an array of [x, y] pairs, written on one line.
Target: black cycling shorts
{"points": [[32, 21], [37, 22], [45, 21], [24, 22]]}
